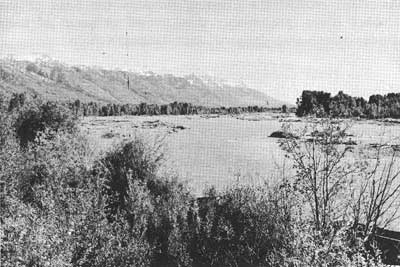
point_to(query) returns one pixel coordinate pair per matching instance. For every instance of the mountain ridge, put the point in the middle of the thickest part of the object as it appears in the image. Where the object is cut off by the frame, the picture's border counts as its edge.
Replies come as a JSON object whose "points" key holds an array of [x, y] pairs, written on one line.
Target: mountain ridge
{"points": [[54, 80]]}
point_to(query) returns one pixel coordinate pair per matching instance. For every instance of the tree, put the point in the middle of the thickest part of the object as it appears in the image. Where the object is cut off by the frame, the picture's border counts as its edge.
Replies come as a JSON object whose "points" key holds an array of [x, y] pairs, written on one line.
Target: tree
{"points": [[284, 109], [77, 107], [313, 101], [321, 169], [343, 194]]}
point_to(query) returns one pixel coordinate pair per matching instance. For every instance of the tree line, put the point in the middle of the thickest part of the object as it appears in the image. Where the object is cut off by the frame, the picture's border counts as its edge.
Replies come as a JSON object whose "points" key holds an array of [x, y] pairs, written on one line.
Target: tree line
{"points": [[176, 108], [322, 104]]}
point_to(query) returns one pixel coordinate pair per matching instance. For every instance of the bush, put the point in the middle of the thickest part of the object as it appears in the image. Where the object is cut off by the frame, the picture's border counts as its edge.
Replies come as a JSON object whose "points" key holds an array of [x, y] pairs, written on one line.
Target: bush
{"points": [[47, 193], [243, 226], [322, 171], [29, 239], [11, 158], [324, 182], [168, 202], [57, 217], [128, 161], [101, 242], [36, 117], [62, 160]]}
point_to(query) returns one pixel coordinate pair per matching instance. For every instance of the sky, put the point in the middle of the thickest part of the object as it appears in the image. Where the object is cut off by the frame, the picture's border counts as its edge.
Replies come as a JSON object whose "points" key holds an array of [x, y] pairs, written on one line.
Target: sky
{"points": [[278, 47]]}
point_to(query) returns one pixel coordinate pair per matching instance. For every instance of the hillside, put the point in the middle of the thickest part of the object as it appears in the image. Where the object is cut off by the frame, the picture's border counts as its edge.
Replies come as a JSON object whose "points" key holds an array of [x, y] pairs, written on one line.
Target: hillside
{"points": [[56, 81]]}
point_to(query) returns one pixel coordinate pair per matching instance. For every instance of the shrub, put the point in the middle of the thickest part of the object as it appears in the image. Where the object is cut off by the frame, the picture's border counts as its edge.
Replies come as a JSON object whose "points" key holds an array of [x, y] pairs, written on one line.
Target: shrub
{"points": [[338, 192], [135, 163], [36, 117], [29, 239], [58, 216], [101, 242], [322, 171], [131, 160], [242, 226], [40, 213], [11, 158], [62, 160]]}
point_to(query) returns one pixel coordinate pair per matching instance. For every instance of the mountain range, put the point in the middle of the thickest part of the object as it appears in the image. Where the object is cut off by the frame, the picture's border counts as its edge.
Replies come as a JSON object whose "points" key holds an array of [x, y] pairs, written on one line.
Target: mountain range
{"points": [[54, 80]]}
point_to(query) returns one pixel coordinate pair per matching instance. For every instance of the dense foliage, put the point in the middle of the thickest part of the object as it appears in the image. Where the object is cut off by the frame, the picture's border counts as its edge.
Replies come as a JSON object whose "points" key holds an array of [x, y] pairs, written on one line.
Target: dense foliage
{"points": [[175, 108], [322, 104], [243, 226], [79, 108]]}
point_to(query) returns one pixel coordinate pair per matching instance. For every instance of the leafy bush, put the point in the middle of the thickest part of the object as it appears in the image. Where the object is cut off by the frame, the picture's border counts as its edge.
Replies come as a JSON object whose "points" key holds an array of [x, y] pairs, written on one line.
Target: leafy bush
{"points": [[131, 160], [62, 160], [11, 158], [42, 206], [101, 242], [243, 226], [37, 117], [57, 217], [168, 202]]}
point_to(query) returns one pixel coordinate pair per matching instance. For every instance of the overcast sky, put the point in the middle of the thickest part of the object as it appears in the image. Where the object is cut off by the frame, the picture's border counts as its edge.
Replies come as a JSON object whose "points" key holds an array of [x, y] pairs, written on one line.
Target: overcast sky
{"points": [[278, 47]]}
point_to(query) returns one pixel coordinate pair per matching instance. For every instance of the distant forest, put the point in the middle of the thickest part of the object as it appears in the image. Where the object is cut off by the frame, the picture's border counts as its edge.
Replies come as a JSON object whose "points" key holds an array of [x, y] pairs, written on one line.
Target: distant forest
{"points": [[311, 103], [322, 104], [176, 108]]}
